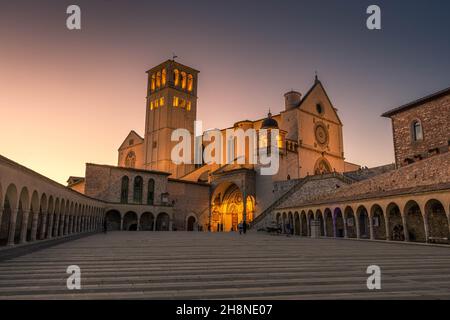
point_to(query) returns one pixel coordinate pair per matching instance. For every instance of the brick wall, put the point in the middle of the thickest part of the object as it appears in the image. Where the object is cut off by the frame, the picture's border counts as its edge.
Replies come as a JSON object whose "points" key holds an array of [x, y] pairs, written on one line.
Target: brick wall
{"points": [[435, 119]]}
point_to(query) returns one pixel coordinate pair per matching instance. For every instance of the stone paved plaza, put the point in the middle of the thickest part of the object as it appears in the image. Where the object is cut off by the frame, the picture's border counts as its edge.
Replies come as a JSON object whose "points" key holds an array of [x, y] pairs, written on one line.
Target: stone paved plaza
{"points": [[182, 265]]}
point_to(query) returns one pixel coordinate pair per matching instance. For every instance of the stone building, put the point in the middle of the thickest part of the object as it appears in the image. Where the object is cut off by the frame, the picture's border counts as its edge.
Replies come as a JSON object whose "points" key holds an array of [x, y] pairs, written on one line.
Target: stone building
{"points": [[408, 203], [421, 128]]}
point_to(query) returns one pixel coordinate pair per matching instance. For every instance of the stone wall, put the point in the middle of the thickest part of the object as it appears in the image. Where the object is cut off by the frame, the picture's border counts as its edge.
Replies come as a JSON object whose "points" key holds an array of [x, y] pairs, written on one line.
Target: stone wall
{"points": [[189, 198], [105, 183], [434, 170], [435, 119]]}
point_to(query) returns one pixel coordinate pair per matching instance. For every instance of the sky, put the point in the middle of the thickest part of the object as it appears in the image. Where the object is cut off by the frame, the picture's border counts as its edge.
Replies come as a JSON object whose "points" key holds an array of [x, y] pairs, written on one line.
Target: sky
{"points": [[68, 97]]}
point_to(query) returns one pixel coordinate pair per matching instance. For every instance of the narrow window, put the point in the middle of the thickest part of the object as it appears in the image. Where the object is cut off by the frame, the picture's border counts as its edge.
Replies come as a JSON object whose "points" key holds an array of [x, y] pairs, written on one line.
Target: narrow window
{"points": [[124, 190], [161, 101], [183, 80], [188, 105], [163, 77], [137, 190], [176, 77], [175, 101], [417, 131], [130, 160], [153, 82], [151, 191], [190, 82]]}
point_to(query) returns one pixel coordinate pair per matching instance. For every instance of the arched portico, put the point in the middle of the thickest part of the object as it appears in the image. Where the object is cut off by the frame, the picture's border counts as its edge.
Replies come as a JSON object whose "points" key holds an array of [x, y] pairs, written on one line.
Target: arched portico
{"points": [[130, 220], [113, 220], [147, 222], [414, 222]]}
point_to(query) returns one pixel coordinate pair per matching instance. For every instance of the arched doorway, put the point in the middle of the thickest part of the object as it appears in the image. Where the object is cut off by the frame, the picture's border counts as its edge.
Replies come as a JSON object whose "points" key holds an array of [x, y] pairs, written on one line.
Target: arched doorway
{"points": [[113, 220], [438, 230], [329, 223], [227, 208], [395, 223], [339, 223], [363, 220], [414, 222], [8, 207], [378, 223], [296, 224], [146, 222], [190, 223], [130, 221], [304, 224], [319, 217], [350, 222], [310, 219], [162, 222]]}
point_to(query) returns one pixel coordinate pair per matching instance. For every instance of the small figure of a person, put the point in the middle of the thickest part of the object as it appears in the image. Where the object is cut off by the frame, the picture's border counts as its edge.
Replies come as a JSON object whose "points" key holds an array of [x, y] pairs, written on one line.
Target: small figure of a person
{"points": [[240, 227]]}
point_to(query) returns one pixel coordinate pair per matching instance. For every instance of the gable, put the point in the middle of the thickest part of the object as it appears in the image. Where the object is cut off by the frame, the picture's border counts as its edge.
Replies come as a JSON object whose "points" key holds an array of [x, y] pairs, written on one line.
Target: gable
{"points": [[132, 139], [317, 95]]}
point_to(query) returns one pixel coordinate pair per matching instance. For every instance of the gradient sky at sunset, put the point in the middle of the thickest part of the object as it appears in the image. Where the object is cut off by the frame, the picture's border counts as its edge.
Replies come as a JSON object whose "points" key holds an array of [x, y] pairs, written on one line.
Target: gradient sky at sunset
{"points": [[71, 97]]}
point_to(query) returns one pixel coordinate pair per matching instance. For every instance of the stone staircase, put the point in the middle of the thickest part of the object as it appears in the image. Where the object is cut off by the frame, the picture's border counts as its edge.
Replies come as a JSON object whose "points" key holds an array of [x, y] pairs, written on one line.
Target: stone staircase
{"points": [[260, 221], [203, 265]]}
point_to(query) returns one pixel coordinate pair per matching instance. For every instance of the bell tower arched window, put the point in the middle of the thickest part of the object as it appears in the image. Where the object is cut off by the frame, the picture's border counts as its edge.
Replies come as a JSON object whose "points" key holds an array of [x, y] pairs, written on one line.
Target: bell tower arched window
{"points": [[176, 77], [137, 189], [151, 192], [163, 77], [183, 80], [158, 79], [417, 132], [124, 190], [190, 82]]}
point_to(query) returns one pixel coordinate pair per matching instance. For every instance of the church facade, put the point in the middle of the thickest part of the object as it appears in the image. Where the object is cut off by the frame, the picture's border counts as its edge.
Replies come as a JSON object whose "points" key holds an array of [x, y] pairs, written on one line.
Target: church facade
{"points": [[309, 141]]}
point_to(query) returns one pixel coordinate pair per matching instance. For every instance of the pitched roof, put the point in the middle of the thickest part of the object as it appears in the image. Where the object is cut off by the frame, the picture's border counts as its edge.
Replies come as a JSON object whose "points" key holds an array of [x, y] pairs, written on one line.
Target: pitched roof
{"points": [[417, 102], [132, 133]]}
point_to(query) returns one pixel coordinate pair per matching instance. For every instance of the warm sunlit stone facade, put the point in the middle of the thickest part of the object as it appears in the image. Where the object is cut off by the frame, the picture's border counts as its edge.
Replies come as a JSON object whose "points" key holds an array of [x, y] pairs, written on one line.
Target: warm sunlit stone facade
{"points": [[315, 192]]}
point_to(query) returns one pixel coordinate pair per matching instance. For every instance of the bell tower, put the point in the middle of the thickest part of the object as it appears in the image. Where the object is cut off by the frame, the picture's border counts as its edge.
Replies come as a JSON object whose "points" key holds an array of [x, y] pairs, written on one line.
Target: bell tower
{"points": [[171, 104]]}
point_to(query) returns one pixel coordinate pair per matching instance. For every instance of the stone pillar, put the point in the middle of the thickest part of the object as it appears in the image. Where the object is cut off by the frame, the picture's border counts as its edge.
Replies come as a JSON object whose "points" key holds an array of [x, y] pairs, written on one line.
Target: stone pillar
{"points": [[43, 226], [82, 224], [138, 223], [345, 225], [50, 226], [171, 224], [371, 227], [77, 224], [357, 225], [56, 225], [386, 225], [121, 223], [24, 227], [12, 227], [425, 226], [244, 212], [1, 214], [61, 224], [405, 230], [34, 226], [154, 224]]}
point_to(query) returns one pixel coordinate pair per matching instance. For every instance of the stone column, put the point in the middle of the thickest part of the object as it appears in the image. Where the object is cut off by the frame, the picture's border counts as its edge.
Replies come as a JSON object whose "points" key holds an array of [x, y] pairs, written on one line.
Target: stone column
{"points": [[50, 226], [356, 217], [405, 230], [138, 223], [345, 225], [371, 227], [386, 225], [170, 224], [61, 225], [66, 225], [24, 227], [121, 223], [1, 214], [34, 226], [56, 225], [154, 224], [44, 225], [12, 227], [425, 226]]}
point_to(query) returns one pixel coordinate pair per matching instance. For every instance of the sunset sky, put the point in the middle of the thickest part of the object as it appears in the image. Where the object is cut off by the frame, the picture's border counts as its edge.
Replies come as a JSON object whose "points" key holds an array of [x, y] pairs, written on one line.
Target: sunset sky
{"points": [[71, 97]]}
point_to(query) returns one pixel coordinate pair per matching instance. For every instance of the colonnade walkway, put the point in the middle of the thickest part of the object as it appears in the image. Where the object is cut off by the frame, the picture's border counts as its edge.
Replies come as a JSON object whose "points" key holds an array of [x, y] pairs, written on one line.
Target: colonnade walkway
{"points": [[191, 265]]}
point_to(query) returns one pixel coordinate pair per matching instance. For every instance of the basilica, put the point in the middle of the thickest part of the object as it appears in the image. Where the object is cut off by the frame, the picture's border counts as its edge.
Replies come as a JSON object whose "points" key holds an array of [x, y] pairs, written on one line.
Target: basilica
{"points": [[216, 196], [314, 192]]}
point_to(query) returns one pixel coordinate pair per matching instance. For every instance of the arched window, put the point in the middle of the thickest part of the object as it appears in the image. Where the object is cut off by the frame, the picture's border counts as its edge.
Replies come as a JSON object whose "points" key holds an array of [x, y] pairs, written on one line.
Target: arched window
{"points": [[163, 77], [188, 105], [161, 101], [175, 101], [137, 189], [124, 190], [190, 82], [417, 133], [153, 82], [151, 191], [183, 80], [176, 77], [158, 79], [130, 160]]}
